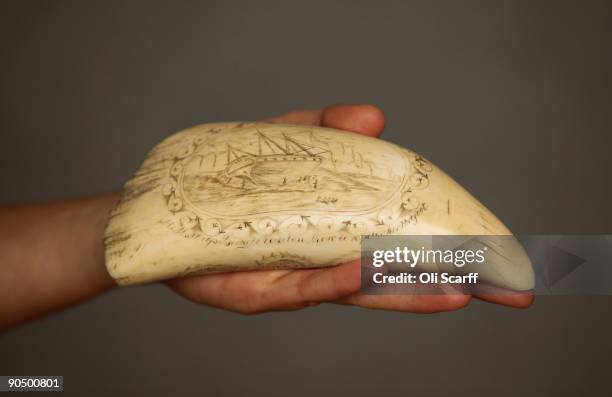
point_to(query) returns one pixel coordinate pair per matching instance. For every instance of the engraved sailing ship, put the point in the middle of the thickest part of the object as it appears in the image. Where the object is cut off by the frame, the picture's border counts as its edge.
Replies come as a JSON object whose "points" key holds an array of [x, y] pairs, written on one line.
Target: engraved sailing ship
{"points": [[275, 171], [276, 162]]}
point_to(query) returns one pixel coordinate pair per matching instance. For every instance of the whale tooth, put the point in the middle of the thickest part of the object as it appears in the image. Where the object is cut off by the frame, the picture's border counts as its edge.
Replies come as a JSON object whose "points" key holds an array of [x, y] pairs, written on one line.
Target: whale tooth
{"points": [[240, 196]]}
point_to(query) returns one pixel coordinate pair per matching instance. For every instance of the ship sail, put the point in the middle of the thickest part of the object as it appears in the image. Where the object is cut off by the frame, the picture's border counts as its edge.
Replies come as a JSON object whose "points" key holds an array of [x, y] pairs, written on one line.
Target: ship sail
{"points": [[275, 160]]}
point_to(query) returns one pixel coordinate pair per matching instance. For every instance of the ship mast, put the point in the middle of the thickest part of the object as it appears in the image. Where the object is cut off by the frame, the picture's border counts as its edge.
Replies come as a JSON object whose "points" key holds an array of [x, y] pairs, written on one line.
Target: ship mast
{"points": [[236, 153], [299, 145], [268, 140]]}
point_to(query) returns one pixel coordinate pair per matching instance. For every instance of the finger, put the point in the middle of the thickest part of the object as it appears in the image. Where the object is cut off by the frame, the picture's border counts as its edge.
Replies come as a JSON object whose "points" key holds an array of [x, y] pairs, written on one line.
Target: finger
{"points": [[363, 119], [502, 296], [302, 116], [302, 288], [258, 291], [231, 291], [519, 300], [408, 303]]}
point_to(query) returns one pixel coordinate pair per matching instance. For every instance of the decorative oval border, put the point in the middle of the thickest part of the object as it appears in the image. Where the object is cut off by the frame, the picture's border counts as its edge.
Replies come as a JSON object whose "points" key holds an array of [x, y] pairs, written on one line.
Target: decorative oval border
{"points": [[190, 224]]}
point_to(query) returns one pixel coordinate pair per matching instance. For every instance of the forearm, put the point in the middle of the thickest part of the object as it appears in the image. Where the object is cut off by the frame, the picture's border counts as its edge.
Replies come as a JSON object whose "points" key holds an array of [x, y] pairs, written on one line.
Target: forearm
{"points": [[51, 256]]}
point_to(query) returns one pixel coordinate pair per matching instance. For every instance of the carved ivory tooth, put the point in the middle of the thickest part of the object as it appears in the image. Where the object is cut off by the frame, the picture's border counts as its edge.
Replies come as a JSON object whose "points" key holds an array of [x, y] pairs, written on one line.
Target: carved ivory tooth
{"points": [[236, 196]]}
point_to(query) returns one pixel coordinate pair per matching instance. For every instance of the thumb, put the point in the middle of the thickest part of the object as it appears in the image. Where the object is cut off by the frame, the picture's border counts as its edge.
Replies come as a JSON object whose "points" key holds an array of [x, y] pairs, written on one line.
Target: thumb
{"points": [[363, 119]]}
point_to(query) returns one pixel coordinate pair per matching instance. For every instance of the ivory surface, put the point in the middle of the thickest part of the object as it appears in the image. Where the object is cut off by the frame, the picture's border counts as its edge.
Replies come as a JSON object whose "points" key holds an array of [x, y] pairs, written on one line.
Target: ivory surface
{"points": [[237, 196]]}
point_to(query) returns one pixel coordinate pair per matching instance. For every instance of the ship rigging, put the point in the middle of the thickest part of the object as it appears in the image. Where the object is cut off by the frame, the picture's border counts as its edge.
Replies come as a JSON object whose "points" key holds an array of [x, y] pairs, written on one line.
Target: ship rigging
{"points": [[274, 164]]}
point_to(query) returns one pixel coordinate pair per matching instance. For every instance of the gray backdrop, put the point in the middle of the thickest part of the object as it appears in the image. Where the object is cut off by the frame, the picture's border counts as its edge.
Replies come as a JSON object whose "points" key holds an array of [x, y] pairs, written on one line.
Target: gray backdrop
{"points": [[513, 99]]}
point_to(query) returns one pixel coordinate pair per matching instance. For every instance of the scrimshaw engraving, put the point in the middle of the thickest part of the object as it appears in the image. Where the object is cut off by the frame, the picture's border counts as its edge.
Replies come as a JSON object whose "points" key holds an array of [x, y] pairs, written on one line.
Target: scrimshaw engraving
{"points": [[235, 196], [254, 184]]}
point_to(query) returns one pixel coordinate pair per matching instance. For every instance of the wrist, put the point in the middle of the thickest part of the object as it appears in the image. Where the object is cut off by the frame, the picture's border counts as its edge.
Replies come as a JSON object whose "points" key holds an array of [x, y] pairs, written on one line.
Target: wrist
{"points": [[52, 256], [97, 211]]}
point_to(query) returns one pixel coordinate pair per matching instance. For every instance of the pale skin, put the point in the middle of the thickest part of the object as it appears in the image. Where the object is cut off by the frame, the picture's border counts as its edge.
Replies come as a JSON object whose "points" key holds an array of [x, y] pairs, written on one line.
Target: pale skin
{"points": [[51, 257]]}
